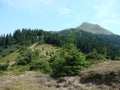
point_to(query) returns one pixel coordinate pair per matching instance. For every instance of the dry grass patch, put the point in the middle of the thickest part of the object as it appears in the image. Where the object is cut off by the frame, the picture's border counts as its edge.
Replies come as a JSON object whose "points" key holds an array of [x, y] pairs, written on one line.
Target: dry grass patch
{"points": [[46, 50]]}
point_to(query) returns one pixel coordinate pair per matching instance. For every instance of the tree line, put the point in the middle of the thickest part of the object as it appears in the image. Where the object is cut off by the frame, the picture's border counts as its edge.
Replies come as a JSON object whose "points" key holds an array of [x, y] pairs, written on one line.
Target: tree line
{"points": [[85, 42]]}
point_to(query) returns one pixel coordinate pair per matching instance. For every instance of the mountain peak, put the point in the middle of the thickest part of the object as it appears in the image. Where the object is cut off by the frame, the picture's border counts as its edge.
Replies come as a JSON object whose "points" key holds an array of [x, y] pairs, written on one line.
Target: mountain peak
{"points": [[94, 28]]}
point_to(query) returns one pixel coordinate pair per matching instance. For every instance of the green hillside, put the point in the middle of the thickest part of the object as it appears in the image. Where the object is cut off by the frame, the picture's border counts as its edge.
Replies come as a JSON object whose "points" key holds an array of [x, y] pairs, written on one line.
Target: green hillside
{"points": [[44, 51], [54, 56]]}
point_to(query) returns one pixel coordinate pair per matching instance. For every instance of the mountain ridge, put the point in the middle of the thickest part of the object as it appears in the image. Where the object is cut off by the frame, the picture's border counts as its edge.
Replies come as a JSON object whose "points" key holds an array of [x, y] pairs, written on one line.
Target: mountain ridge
{"points": [[93, 28], [97, 33]]}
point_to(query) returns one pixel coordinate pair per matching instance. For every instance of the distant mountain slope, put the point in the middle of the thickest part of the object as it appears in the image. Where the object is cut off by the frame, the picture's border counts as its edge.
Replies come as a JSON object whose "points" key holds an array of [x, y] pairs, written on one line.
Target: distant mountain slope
{"points": [[95, 32], [94, 28]]}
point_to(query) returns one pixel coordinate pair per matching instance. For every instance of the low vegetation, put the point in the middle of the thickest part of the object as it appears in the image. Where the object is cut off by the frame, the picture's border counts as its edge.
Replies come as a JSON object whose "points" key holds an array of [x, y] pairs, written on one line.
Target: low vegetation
{"points": [[68, 62], [4, 66], [41, 65]]}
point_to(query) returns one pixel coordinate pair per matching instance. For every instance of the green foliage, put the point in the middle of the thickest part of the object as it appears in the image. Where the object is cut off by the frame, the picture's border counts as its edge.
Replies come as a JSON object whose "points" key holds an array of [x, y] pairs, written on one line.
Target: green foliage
{"points": [[24, 61], [106, 45], [1, 72], [104, 51], [3, 67], [69, 62], [117, 58], [53, 38], [42, 65], [18, 70], [58, 67], [95, 55], [6, 51], [28, 36], [1, 49], [27, 57], [31, 59]]}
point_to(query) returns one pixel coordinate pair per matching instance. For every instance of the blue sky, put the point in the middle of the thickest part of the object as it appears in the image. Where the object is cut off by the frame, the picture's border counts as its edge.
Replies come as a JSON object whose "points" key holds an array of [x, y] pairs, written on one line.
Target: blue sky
{"points": [[54, 15]]}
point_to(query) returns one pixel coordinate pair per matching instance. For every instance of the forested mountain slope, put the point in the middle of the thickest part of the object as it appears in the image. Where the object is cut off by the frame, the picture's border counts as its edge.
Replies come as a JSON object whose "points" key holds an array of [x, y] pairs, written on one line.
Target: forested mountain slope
{"points": [[86, 37]]}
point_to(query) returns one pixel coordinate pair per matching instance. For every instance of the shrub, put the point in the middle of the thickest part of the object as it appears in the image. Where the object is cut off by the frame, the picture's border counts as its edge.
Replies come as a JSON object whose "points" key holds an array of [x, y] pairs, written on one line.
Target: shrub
{"points": [[1, 72], [58, 69], [69, 62], [24, 61], [95, 55], [1, 49], [27, 57], [42, 65], [117, 58], [4, 67]]}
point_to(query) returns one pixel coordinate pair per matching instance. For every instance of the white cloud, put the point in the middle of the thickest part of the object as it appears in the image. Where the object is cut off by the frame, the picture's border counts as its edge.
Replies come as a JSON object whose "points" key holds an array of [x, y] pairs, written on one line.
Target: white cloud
{"points": [[64, 11]]}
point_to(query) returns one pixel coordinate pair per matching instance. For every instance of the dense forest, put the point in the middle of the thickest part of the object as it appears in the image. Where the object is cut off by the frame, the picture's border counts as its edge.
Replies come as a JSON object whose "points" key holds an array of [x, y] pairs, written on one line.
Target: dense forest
{"points": [[104, 45]]}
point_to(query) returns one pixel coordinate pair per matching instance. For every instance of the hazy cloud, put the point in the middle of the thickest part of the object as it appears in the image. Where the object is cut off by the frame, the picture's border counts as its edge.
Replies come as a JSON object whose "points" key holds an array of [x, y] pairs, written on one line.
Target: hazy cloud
{"points": [[64, 11]]}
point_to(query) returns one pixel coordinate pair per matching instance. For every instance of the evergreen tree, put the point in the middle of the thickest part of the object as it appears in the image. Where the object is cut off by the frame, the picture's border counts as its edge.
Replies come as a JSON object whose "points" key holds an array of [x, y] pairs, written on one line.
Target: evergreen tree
{"points": [[69, 62]]}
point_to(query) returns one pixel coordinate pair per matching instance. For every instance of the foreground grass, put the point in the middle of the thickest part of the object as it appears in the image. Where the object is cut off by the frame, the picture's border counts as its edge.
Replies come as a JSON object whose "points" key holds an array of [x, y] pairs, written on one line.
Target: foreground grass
{"points": [[30, 80]]}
